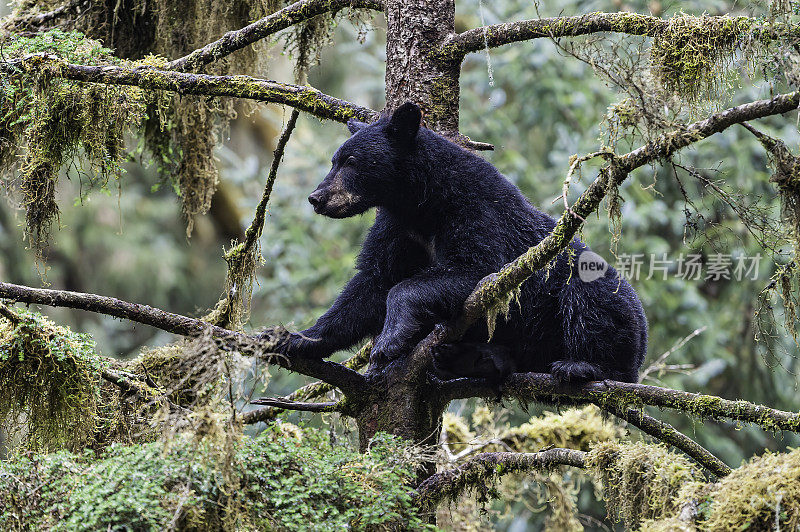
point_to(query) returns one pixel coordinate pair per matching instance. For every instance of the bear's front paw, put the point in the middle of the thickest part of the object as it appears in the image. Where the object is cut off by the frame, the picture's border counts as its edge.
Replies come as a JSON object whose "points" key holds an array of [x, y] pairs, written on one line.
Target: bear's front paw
{"points": [[297, 344], [387, 348], [575, 372]]}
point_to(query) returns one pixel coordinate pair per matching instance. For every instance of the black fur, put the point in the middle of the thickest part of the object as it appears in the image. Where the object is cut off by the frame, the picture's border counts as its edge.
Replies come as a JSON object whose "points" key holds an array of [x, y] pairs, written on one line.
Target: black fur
{"points": [[446, 218]]}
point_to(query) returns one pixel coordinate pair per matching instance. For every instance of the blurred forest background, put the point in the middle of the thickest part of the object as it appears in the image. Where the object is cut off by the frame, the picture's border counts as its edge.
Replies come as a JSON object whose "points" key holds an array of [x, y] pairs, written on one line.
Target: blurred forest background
{"points": [[538, 106]]}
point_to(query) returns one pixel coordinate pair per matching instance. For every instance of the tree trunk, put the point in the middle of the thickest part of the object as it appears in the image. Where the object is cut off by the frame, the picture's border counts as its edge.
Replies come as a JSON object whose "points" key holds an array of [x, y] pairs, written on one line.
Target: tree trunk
{"points": [[399, 405], [414, 29], [398, 402]]}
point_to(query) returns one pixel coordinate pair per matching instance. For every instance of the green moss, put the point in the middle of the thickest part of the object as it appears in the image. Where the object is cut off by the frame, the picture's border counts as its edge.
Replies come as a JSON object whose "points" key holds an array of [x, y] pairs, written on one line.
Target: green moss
{"points": [[574, 428], [56, 120], [280, 480], [762, 494], [640, 481], [50, 390], [750, 496], [691, 53]]}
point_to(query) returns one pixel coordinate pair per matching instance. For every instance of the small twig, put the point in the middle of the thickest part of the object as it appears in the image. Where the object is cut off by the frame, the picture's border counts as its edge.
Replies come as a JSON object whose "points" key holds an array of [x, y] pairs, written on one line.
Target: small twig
{"points": [[668, 434], [658, 364], [123, 382], [575, 164], [257, 226]]}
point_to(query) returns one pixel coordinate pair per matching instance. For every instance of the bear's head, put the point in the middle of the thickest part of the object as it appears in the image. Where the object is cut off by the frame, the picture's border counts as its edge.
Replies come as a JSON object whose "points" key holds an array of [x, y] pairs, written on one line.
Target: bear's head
{"points": [[367, 168]]}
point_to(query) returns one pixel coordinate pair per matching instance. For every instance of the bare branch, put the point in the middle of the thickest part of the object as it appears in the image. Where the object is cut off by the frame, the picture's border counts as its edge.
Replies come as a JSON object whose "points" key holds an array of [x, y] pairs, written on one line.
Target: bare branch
{"points": [[494, 288], [347, 380], [301, 97], [310, 391], [486, 466], [670, 435], [269, 25], [478, 39], [283, 404]]}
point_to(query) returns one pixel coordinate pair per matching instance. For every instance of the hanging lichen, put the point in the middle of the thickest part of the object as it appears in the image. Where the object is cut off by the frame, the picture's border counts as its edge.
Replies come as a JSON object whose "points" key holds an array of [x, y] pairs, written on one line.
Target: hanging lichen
{"points": [[691, 55], [762, 494], [56, 122], [640, 481], [786, 280], [49, 383]]}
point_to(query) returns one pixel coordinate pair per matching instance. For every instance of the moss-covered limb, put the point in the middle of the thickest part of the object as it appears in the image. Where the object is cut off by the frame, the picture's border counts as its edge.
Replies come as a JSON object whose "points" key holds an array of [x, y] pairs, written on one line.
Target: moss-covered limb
{"points": [[305, 98], [269, 25], [495, 289], [257, 226], [642, 481], [123, 382], [666, 433], [309, 391], [347, 380], [110, 306], [244, 258], [283, 404], [10, 315], [478, 39], [37, 21], [612, 394], [483, 468]]}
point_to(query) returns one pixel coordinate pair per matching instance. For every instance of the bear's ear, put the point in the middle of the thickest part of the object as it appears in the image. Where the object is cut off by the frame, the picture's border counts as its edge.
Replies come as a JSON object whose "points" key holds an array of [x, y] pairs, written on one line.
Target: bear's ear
{"points": [[355, 126], [405, 122]]}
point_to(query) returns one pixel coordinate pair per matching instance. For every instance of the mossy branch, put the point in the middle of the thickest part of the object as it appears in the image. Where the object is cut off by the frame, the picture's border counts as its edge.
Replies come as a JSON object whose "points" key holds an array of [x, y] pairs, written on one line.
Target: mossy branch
{"points": [[284, 404], [309, 391], [304, 98], [495, 288], [269, 25], [257, 226], [478, 39], [36, 22], [347, 380], [609, 395], [485, 467], [668, 434]]}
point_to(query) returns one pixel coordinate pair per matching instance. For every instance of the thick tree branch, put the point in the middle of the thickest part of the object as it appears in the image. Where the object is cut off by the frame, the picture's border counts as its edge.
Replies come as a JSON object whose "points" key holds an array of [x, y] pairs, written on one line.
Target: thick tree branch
{"points": [[528, 387], [347, 380], [167, 321], [269, 25], [670, 435], [495, 288], [478, 39], [305, 98], [483, 468]]}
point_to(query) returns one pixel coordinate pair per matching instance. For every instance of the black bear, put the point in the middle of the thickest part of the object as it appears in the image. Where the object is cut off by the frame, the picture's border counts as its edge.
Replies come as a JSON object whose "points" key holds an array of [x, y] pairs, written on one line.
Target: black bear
{"points": [[446, 218]]}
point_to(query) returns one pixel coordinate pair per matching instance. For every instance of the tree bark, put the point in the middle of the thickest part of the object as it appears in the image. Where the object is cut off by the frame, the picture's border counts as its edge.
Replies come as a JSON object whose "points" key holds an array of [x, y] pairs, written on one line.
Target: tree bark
{"points": [[415, 31]]}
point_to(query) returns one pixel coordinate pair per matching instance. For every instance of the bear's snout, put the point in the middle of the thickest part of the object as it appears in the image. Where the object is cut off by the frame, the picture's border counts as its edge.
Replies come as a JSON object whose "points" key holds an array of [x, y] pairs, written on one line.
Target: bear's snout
{"points": [[316, 200]]}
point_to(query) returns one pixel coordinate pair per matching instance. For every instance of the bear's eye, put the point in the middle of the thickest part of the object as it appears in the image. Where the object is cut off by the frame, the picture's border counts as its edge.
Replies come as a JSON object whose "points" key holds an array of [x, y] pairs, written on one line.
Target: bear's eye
{"points": [[350, 160]]}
